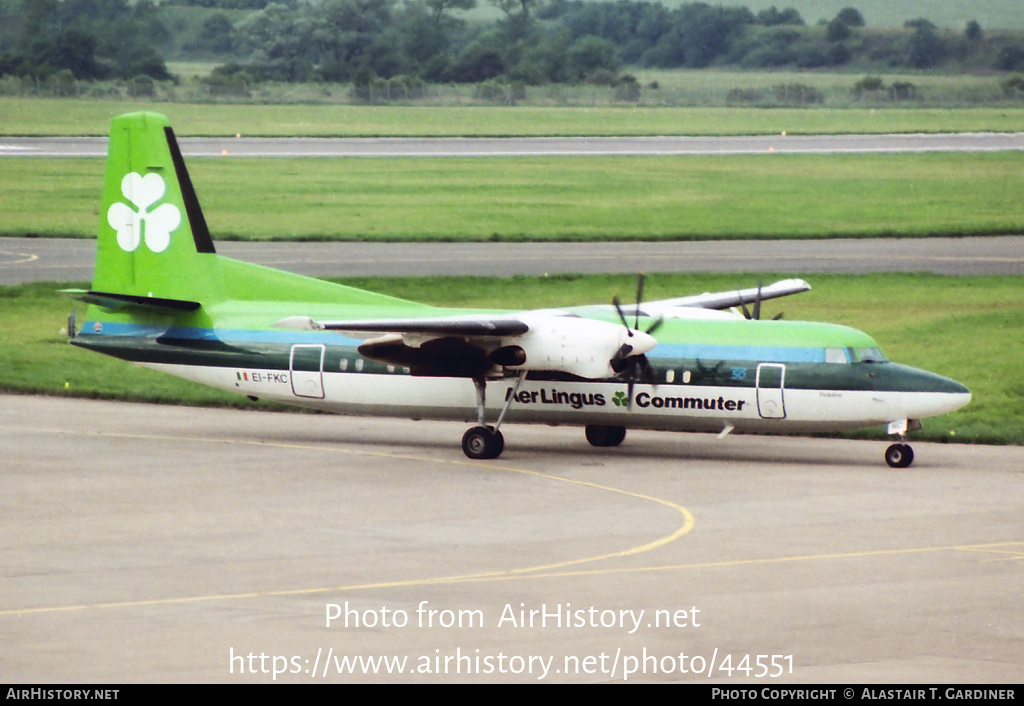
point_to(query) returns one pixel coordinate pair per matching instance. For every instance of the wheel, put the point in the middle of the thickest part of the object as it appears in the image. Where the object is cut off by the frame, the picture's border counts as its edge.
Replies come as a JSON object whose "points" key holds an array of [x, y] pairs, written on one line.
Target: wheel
{"points": [[482, 443], [899, 455], [601, 435]]}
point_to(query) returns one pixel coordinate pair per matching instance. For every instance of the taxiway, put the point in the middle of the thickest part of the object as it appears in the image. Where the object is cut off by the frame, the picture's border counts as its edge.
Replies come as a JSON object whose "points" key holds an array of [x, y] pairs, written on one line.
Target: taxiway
{"points": [[158, 543]]}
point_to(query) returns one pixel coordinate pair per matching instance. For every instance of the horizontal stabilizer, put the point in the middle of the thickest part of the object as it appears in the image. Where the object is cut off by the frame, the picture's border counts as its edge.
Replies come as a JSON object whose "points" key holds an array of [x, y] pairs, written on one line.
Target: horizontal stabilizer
{"points": [[110, 300]]}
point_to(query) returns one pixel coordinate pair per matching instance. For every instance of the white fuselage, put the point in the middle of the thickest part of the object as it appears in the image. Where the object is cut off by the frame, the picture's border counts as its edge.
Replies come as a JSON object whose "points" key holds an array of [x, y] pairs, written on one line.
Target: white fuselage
{"points": [[667, 406]]}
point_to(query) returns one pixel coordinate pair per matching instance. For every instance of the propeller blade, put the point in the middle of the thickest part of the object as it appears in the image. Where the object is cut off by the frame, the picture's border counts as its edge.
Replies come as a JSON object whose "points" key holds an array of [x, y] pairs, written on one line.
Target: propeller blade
{"points": [[647, 371], [631, 367], [622, 316], [619, 361], [757, 301], [639, 298]]}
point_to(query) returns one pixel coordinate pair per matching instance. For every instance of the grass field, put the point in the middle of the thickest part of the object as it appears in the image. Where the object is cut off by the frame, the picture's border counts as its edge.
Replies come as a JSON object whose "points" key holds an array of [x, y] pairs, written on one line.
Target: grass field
{"points": [[969, 328], [555, 198], [56, 117]]}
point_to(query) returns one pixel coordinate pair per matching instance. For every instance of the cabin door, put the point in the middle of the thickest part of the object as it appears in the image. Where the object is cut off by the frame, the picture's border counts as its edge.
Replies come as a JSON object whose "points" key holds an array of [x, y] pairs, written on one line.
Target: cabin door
{"points": [[307, 370], [771, 379]]}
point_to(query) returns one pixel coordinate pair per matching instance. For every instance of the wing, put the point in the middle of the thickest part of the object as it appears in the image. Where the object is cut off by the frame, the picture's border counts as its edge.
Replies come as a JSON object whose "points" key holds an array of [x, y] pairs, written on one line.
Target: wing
{"points": [[430, 326], [683, 307], [481, 345]]}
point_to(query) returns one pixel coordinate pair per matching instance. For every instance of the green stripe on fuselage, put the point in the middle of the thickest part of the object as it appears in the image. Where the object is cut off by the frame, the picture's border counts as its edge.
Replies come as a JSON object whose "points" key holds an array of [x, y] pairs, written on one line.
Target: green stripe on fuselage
{"points": [[270, 349]]}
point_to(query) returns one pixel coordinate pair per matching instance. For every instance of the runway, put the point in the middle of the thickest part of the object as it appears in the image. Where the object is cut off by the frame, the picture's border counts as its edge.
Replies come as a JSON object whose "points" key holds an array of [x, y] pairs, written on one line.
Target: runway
{"points": [[169, 544], [530, 146], [54, 259]]}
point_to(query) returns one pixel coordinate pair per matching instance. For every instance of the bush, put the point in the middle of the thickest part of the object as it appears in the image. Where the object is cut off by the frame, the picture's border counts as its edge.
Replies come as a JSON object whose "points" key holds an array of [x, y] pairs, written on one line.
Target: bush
{"points": [[1013, 86], [627, 89], [744, 95], [63, 84], [498, 92], [902, 91], [868, 84], [406, 87], [796, 94], [1010, 58], [228, 81], [142, 86]]}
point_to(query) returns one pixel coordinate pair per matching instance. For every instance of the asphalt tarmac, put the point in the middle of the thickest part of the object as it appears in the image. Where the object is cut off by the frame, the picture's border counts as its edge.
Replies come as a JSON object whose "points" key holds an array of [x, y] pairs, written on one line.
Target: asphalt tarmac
{"points": [[169, 544]]}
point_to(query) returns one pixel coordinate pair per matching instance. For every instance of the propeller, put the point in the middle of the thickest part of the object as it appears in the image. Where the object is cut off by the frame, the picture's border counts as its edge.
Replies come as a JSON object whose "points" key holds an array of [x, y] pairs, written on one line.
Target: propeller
{"points": [[756, 315], [72, 329], [634, 367]]}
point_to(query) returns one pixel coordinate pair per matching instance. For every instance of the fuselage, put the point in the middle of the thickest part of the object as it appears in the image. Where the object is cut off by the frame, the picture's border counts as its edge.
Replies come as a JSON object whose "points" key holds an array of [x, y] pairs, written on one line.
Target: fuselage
{"points": [[708, 375]]}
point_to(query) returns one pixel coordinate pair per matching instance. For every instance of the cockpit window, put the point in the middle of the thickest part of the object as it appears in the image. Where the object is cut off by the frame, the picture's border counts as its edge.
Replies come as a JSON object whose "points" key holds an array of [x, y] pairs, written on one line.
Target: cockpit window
{"points": [[868, 355], [836, 355]]}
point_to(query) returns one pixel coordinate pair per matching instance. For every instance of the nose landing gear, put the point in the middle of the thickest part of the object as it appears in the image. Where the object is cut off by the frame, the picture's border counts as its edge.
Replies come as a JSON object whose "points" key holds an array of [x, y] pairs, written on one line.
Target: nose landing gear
{"points": [[899, 455]]}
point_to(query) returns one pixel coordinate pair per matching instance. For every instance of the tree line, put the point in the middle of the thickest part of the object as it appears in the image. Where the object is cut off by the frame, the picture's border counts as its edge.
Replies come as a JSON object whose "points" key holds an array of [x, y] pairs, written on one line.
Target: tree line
{"points": [[532, 42], [86, 39]]}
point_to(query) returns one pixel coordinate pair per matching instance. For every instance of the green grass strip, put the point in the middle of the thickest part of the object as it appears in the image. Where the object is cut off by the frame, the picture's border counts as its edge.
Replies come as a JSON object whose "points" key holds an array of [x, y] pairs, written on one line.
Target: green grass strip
{"points": [[66, 117], [556, 198]]}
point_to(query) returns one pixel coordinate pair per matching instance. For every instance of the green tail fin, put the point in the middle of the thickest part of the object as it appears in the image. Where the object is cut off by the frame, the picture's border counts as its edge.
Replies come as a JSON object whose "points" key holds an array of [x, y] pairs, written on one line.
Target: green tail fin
{"points": [[153, 240], [154, 252]]}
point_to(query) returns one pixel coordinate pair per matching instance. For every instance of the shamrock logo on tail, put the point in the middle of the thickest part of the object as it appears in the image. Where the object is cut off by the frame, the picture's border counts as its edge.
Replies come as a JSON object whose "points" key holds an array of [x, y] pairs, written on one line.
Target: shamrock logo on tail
{"points": [[135, 226]]}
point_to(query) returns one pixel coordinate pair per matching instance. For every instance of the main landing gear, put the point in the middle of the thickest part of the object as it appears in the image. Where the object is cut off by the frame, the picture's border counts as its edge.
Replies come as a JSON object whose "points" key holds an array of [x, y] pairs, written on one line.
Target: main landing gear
{"points": [[484, 442], [604, 436]]}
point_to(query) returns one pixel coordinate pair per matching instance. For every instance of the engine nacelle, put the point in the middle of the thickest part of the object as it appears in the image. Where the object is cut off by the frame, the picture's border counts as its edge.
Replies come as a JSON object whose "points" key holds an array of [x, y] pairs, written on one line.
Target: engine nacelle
{"points": [[567, 344]]}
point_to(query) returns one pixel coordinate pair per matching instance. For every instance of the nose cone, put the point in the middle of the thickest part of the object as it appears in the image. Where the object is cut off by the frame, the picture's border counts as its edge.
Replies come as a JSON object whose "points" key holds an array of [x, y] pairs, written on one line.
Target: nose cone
{"points": [[944, 402], [641, 342], [926, 394]]}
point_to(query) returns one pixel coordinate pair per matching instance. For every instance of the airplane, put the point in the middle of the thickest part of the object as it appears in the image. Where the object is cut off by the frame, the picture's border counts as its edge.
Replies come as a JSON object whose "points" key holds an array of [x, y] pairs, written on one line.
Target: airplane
{"points": [[162, 297]]}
